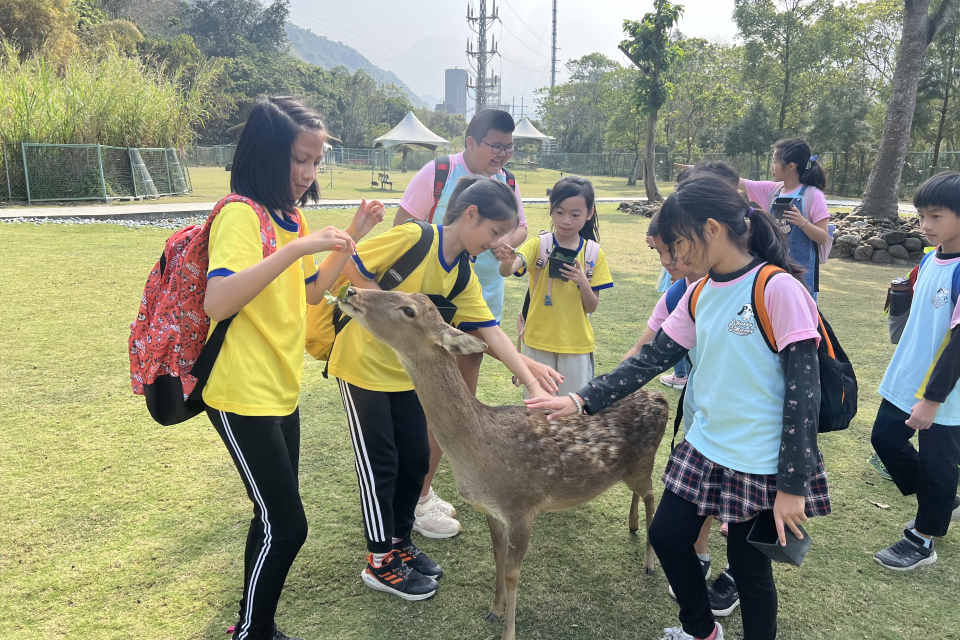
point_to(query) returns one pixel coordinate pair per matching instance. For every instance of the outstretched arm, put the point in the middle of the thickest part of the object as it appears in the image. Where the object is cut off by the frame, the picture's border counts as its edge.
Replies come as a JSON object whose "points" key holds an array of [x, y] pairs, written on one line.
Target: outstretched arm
{"points": [[503, 347], [634, 372]]}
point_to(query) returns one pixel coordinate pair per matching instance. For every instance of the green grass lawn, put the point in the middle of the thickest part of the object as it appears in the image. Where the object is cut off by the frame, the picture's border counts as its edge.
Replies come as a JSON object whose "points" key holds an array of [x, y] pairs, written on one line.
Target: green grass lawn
{"points": [[118, 528]]}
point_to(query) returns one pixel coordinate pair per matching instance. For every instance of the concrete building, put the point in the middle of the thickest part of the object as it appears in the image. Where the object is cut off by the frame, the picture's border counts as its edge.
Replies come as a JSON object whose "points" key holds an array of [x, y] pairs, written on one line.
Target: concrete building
{"points": [[455, 92]]}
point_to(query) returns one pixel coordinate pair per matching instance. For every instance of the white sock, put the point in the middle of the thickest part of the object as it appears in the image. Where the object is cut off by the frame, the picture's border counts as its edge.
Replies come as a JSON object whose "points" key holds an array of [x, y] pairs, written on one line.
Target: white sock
{"points": [[378, 559], [927, 542], [704, 557]]}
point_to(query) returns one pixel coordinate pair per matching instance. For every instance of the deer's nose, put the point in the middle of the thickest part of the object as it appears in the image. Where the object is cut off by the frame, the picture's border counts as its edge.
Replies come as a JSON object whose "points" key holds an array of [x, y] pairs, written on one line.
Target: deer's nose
{"points": [[351, 292]]}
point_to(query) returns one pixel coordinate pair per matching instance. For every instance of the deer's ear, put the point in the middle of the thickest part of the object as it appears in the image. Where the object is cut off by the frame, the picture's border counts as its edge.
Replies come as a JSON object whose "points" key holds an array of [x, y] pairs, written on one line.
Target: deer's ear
{"points": [[459, 343]]}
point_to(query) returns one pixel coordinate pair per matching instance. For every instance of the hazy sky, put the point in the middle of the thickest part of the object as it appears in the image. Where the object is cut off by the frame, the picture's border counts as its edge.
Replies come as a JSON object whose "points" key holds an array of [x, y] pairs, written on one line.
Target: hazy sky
{"points": [[418, 39]]}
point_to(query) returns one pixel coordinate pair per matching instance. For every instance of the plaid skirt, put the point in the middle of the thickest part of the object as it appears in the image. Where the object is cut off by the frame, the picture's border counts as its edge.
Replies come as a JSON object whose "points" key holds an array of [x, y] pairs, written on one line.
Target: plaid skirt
{"points": [[733, 496]]}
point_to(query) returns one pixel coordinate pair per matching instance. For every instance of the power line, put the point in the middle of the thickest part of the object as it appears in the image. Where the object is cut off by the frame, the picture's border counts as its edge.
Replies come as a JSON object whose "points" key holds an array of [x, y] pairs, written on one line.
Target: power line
{"points": [[540, 37], [521, 41]]}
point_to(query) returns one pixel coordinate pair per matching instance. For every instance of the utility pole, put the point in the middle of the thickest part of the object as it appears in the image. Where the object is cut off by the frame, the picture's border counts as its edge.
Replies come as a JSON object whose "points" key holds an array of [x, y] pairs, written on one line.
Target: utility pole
{"points": [[486, 86], [553, 58]]}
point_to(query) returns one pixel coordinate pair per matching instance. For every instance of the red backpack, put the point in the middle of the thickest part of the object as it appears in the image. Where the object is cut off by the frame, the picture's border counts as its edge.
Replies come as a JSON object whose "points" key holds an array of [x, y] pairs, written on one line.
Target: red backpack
{"points": [[170, 356]]}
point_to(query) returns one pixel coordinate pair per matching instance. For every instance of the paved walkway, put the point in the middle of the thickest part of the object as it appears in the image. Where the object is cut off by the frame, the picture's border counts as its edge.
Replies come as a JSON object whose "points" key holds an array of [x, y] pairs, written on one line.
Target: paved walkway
{"points": [[172, 209]]}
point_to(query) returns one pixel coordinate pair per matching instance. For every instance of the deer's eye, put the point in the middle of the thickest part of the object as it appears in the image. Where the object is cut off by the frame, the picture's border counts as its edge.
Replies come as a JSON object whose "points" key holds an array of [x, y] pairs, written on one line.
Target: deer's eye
{"points": [[409, 312]]}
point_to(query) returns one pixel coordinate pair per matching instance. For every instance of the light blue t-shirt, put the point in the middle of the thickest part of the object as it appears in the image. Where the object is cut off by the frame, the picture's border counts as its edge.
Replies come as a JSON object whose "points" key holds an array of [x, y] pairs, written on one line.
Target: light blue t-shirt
{"points": [[928, 328], [739, 384]]}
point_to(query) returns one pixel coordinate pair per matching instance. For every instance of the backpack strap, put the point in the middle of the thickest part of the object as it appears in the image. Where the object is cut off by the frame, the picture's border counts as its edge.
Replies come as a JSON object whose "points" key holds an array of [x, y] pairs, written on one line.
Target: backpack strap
{"points": [[409, 261], [590, 255], [692, 301], [678, 420], [441, 172], [763, 276], [511, 179], [773, 196], [463, 276]]}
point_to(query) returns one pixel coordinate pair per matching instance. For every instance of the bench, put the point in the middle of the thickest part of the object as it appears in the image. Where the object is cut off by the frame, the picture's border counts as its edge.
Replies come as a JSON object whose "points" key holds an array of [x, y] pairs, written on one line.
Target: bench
{"points": [[384, 179]]}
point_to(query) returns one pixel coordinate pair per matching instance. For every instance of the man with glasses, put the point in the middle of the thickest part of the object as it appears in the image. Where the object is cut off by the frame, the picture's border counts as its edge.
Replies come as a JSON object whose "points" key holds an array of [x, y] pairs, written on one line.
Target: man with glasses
{"points": [[488, 147]]}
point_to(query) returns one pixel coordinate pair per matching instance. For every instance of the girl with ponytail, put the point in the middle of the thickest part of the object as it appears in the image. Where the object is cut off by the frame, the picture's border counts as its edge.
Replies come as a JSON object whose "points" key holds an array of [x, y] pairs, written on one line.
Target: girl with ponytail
{"points": [[806, 222], [387, 424], [751, 449]]}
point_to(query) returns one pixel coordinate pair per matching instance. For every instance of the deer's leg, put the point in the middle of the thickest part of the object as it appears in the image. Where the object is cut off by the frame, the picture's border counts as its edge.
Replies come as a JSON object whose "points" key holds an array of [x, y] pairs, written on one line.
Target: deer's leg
{"points": [[498, 533], [649, 508], [635, 512], [519, 538]]}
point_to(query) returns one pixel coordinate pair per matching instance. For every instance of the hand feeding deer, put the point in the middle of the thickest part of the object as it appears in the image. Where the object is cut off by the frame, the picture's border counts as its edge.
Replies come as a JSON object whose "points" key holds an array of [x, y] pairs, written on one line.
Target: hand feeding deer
{"points": [[511, 463]]}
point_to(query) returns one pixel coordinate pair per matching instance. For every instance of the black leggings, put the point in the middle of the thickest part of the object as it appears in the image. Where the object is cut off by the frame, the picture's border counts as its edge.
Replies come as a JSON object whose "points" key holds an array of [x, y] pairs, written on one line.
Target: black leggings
{"points": [[674, 530], [266, 452], [392, 457], [931, 472]]}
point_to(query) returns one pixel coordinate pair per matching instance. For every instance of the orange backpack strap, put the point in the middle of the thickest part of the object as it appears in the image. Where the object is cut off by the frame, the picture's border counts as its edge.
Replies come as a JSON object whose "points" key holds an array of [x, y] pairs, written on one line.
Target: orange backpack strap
{"points": [[695, 295], [760, 308]]}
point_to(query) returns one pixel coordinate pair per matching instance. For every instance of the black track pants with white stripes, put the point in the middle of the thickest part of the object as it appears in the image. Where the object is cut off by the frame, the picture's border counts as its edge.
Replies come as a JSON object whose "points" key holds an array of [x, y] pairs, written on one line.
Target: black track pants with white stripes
{"points": [[266, 452], [392, 455]]}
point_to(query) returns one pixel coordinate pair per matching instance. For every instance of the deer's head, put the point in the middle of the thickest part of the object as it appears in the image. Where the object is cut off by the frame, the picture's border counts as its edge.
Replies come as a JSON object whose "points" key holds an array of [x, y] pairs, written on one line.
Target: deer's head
{"points": [[406, 322]]}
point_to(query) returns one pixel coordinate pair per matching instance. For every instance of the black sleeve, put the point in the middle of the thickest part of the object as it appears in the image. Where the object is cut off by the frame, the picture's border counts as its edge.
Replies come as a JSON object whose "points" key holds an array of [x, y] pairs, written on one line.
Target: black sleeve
{"points": [[946, 372], [634, 372], [801, 416]]}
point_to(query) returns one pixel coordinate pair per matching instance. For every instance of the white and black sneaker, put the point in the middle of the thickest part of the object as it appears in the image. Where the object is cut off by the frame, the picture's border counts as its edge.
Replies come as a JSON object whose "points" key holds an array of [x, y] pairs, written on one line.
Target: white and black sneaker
{"points": [[395, 577], [907, 554], [723, 594], [954, 517], [704, 565]]}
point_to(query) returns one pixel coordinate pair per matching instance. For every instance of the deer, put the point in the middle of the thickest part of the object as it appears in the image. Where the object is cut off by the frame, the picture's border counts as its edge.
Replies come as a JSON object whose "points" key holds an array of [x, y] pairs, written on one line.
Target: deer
{"points": [[511, 463]]}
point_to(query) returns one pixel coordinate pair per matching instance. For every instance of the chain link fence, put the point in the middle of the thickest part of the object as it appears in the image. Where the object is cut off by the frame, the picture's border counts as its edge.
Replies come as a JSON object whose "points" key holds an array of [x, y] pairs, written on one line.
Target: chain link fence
{"points": [[62, 172]]}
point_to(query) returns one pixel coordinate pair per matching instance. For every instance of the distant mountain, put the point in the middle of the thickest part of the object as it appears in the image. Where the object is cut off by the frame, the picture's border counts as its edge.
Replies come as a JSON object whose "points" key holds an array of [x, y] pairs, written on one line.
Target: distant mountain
{"points": [[327, 53]]}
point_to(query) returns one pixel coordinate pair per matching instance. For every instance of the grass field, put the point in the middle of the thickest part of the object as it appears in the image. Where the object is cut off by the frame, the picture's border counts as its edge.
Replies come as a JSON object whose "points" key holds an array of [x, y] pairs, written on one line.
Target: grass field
{"points": [[118, 528]]}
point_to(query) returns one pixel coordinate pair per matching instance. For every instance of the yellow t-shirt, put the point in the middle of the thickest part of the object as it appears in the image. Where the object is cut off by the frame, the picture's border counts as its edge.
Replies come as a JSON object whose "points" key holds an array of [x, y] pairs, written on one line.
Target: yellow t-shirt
{"points": [[563, 327], [364, 361], [258, 370]]}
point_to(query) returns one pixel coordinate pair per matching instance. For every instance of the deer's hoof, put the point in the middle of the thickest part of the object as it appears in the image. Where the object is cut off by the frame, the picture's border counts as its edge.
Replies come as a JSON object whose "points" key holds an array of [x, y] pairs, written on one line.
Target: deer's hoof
{"points": [[648, 571], [492, 618], [634, 529]]}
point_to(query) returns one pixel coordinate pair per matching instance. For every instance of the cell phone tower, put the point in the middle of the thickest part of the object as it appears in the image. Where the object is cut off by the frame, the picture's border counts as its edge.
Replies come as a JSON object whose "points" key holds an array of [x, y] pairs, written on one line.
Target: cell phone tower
{"points": [[553, 58], [486, 85]]}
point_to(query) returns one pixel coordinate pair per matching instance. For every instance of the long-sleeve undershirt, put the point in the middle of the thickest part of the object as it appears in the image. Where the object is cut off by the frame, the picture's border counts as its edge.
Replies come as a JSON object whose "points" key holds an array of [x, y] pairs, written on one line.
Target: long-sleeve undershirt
{"points": [[946, 372]]}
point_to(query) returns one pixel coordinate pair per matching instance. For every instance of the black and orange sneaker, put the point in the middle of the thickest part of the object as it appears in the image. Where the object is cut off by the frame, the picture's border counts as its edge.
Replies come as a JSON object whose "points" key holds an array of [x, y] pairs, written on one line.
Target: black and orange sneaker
{"points": [[417, 560], [394, 576]]}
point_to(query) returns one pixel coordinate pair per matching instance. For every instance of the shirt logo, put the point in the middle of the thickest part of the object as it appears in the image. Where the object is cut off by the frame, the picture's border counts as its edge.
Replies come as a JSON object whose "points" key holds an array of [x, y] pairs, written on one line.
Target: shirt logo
{"points": [[743, 324], [941, 297]]}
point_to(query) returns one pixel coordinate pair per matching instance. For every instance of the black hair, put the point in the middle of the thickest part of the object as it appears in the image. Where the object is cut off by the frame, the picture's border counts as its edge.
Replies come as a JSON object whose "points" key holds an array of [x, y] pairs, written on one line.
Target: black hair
{"points": [[707, 196], [718, 168], [798, 152], [942, 190], [481, 124], [571, 187], [494, 200], [653, 229], [262, 161], [682, 175]]}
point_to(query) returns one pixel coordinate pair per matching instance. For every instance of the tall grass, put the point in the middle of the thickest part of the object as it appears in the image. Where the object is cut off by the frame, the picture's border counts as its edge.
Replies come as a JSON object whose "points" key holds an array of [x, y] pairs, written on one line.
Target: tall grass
{"points": [[99, 97]]}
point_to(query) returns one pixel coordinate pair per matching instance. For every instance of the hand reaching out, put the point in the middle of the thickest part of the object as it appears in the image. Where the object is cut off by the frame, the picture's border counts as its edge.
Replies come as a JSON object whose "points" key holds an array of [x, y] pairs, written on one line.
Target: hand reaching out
{"points": [[504, 253], [368, 215], [328, 239], [558, 406]]}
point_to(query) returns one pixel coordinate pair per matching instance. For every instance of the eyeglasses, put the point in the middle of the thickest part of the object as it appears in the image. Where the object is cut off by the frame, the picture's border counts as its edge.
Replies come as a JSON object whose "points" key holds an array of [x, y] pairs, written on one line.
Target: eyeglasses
{"points": [[498, 148]]}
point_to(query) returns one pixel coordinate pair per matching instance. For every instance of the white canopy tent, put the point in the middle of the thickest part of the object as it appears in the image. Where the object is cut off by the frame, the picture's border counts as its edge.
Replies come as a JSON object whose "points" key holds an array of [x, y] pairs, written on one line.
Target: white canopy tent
{"points": [[410, 131], [525, 129]]}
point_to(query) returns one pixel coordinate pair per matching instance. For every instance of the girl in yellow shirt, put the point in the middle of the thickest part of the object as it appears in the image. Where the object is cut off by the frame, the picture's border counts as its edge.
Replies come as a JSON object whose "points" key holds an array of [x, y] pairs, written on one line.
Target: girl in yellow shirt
{"points": [[253, 389], [387, 424], [558, 332]]}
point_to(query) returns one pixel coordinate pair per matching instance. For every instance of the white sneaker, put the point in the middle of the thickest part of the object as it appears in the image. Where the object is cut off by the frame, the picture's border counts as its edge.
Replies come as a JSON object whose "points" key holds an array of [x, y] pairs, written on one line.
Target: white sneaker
{"points": [[445, 507], [433, 523], [677, 633]]}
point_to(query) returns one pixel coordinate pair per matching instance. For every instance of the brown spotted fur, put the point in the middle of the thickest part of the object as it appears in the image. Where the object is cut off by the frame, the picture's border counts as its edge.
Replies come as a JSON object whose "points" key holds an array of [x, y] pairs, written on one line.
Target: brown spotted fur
{"points": [[511, 463]]}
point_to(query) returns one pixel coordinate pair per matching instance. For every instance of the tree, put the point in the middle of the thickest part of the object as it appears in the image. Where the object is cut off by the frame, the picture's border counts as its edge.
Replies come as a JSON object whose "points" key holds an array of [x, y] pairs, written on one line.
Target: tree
{"points": [[752, 135], [626, 129], [576, 111], [652, 51], [919, 29], [32, 25], [940, 83], [220, 26], [776, 47]]}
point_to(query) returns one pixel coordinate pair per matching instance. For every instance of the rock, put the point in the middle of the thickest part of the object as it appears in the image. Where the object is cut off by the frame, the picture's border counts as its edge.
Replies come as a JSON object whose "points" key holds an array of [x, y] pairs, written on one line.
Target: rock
{"points": [[899, 251], [895, 237], [916, 256], [863, 253], [841, 251], [851, 239], [882, 257], [926, 243], [913, 244], [878, 243]]}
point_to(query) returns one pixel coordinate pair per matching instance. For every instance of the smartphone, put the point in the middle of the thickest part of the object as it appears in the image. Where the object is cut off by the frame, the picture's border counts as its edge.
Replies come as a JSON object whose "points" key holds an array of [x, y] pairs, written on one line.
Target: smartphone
{"points": [[780, 205]]}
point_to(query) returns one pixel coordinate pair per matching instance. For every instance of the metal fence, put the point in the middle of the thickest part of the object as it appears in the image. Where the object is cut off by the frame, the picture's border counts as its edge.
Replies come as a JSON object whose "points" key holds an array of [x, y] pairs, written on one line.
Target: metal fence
{"points": [[846, 172], [61, 172]]}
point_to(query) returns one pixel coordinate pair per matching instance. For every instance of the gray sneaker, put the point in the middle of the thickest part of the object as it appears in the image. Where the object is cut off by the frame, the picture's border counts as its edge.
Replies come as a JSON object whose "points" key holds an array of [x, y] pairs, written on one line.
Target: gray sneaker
{"points": [[906, 554], [954, 517]]}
